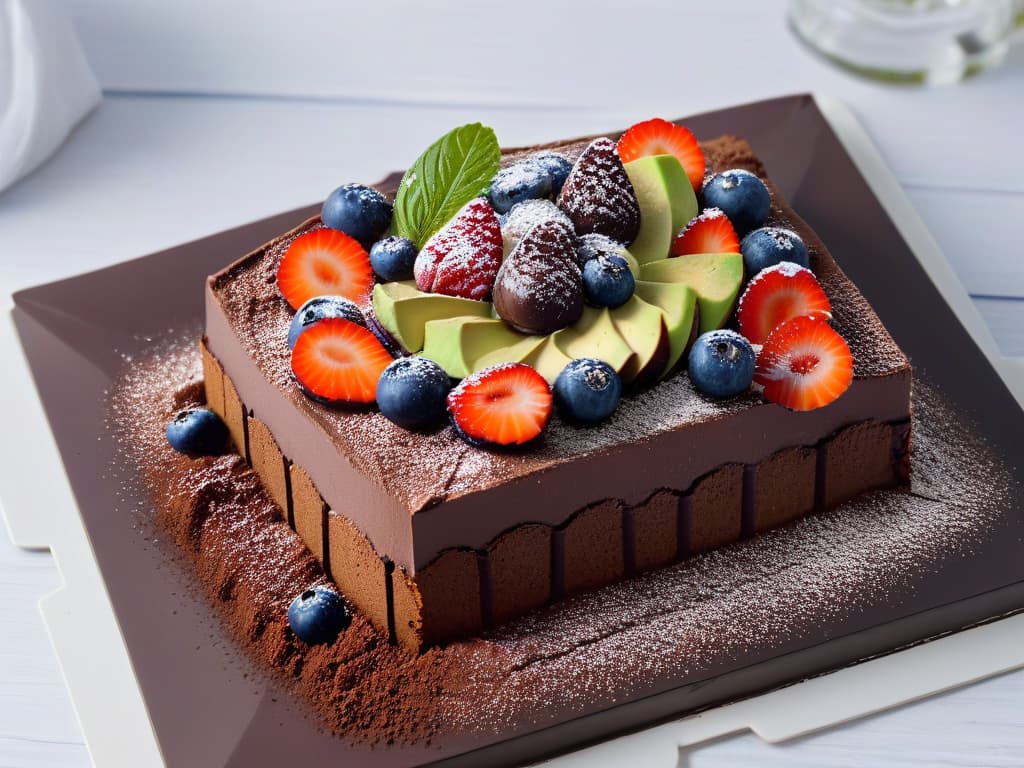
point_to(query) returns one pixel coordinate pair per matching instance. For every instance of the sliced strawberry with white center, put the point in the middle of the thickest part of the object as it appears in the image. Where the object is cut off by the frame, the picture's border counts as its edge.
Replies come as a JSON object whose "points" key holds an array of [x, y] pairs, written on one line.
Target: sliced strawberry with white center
{"points": [[337, 361], [463, 257], [324, 262], [709, 232], [660, 137], [778, 294], [804, 365], [508, 404]]}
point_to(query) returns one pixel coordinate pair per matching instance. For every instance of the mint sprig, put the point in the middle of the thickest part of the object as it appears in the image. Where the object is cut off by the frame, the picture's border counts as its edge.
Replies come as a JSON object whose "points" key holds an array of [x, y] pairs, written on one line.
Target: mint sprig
{"points": [[451, 172]]}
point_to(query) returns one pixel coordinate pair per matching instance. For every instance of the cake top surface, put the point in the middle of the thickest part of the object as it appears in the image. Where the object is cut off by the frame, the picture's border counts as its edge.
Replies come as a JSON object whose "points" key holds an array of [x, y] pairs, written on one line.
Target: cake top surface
{"points": [[422, 470]]}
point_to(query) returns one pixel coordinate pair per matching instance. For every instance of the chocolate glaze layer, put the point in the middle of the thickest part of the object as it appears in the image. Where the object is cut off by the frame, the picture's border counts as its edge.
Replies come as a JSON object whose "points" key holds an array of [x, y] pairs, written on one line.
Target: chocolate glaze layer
{"points": [[416, 495]]}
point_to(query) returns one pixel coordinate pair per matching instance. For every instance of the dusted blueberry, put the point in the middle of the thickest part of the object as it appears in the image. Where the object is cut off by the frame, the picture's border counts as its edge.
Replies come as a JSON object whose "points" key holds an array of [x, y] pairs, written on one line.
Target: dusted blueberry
{"points": [[412, 392], [320, 308], [741, 195], [358, 211], [198, 431], [721, 364], [393, 258], [524, 180], [768, 246], [557, 167], [607, 281], [318, 615], [587, 391]]}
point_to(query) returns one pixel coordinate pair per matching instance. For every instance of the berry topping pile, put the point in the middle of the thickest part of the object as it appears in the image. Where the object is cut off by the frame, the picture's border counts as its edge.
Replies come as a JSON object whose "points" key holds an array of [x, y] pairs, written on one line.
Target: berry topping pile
{"points": [[549, 282]]}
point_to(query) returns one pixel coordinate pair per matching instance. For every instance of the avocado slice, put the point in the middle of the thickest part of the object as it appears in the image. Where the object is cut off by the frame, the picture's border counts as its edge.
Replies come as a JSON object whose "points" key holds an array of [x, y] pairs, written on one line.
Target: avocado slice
{"points": [[715, 277], [678, 303], [459, 344], [667, 203], [644, 329], [548, 359], [594, 335], [404, 310]]}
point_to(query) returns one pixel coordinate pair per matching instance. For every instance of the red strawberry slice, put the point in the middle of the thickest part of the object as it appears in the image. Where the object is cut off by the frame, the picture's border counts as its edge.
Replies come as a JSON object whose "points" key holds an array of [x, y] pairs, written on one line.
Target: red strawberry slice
{"points": [[660, 137], [804, 364], [324, 262], [507, 404], [338, 361], [778, 294], [710, 232], [463, 257]]}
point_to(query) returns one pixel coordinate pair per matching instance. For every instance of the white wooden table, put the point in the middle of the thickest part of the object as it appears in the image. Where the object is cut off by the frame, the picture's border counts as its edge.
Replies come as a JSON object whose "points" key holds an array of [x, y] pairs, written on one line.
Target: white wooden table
{"points": [[214, 117]]}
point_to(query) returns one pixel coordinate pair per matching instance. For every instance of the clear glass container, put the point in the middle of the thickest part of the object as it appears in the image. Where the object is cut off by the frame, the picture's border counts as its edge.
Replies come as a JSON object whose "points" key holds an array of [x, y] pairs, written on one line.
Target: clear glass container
{"points": [[908, 41]]}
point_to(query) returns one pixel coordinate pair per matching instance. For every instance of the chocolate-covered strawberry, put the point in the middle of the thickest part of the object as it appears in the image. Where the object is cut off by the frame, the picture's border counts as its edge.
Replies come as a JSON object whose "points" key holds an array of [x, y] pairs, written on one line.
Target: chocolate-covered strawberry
{"points": [[539, 288], [598, 196]]}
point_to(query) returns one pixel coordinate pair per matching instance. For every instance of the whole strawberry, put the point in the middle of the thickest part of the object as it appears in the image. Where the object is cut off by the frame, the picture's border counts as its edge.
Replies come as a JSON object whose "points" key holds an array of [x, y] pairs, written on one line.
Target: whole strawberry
{"points": [[539, 288], [462, 258], [598, 196]]}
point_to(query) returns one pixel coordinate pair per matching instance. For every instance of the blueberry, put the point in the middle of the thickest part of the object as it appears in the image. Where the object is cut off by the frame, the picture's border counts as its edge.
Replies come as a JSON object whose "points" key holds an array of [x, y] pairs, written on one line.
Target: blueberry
{"points": [[742, 197], [721, 364], [557, 167], [767, 246], [593, 244], [393, 257], [587, 391], [412, 392], [525, 180], [607, 281], [320, 308], [358, 211], [318, 615], [198, 431]]}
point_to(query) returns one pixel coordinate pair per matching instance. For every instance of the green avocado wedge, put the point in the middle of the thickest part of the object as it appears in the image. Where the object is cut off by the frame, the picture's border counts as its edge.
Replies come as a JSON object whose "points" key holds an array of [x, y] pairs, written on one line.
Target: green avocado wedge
{"points": [[644, 329], [595, 335], [403, 310], [547, 359], [678, 303], [462, 345], [667, 203], [715, 277]]}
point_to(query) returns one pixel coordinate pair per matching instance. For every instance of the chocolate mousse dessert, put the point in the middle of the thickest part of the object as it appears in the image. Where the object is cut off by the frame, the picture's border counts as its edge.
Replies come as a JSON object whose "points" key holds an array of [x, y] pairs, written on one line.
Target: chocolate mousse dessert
{"points": [[516, 375]]}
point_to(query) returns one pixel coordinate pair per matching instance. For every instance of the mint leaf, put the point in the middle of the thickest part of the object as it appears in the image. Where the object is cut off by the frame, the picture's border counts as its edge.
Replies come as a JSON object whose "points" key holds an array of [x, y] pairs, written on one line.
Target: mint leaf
{"points": [[453, 170]]}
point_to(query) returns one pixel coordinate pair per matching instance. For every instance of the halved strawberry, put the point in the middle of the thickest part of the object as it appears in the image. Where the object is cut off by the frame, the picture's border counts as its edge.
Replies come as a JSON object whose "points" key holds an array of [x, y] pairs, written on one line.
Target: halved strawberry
{"points": [[324, 262], [508, 404], [804, 364], [660, 137], [463, 257], [778, 294], [337, 361], [709, 232]]}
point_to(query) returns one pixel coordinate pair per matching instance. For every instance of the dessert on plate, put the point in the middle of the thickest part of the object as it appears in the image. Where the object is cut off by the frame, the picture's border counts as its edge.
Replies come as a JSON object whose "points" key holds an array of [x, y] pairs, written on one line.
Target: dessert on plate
{"points": [[516, 375]]}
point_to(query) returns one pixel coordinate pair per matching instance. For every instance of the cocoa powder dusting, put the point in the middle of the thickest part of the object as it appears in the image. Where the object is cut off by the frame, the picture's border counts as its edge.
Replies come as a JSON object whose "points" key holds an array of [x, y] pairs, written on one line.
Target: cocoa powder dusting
{"points": [[678, 625]]}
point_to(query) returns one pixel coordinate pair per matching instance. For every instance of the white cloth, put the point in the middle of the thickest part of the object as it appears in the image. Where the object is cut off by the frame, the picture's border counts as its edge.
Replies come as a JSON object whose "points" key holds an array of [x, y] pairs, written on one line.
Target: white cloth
{"points": [[46, 85]]}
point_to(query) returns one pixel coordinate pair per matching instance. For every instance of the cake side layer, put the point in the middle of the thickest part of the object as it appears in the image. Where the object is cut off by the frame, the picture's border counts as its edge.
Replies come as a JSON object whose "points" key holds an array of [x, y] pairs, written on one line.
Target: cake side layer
{"points": [[391, 473], [463, 589]]}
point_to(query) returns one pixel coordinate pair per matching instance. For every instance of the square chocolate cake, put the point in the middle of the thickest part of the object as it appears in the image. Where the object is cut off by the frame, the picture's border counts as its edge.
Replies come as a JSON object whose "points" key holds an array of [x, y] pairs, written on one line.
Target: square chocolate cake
{"points": [[657, 358]]}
